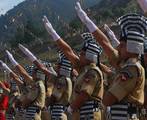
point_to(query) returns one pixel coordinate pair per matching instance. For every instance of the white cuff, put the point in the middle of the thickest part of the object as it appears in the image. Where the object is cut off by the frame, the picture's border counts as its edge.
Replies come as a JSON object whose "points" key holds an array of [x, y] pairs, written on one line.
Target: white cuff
{"points": [[85, 19], [50, 29], [11, 58], [91, 26], [69, 110], [112, 36], [5, 67], [31, 57], [55, 36]]}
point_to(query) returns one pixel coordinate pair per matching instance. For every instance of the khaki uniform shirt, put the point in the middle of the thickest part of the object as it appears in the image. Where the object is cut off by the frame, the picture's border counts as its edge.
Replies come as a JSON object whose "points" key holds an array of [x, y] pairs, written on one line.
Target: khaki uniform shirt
{"points": [[93, 86], [129, 83], [62, 90], [37, 94], [50, 86]]}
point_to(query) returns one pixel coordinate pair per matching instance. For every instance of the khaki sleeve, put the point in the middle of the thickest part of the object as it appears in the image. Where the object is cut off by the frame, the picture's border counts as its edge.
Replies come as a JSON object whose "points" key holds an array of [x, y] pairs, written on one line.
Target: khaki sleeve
{"points": [[124, 83], [89, 81], [68, 90], [59, 88], [32, 95], [114, 58]]}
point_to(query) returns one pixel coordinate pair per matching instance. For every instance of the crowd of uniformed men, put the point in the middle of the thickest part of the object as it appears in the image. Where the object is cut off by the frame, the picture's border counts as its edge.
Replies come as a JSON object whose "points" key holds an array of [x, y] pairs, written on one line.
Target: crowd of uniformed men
{"points": [[75, 88]]}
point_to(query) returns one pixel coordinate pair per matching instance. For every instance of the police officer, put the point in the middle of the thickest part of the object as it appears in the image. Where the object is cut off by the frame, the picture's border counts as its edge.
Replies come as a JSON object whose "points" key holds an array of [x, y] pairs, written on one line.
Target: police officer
{"points": [[62, 89], [89, 85], [128, 85], [34, 100], [48, 74]]}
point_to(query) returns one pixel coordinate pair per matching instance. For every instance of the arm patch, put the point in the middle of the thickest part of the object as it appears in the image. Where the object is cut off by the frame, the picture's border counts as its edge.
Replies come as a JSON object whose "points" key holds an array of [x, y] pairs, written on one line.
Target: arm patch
{"points": [[129, 72], [124, 76], [90, 75]]}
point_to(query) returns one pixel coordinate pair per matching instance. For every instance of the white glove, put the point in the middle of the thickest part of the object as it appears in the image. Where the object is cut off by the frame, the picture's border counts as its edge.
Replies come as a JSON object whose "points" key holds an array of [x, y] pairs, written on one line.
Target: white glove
{"points": [[31, 57], [107, 28], [69, 110], [112, 36], [143, 5], [84, 18], [82, 15], [4, 66], [11, 58], [50, 29]]}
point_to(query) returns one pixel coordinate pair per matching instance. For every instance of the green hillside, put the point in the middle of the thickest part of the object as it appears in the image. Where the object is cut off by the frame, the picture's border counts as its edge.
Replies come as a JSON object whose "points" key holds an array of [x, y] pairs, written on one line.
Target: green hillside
{"points": [[34, 36]]}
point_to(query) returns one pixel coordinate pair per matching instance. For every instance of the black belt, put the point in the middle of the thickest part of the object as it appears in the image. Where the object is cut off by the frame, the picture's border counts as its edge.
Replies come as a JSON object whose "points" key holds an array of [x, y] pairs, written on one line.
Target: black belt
{"points": [[37, 109], [93, 104], [58, 106], [86, 111], [132, 108], [124, 109], [57, 110]]}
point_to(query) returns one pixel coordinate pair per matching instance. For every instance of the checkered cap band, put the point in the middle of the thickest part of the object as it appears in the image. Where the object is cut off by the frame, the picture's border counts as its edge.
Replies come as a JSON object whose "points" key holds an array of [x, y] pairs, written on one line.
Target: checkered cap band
{"points": [[29, 69], [90, 43], [92, 48], [135, 42], [65, 65], [145, 46], [87, 36], [50, 68], [132, 22], [135, 36], [48, 65]]}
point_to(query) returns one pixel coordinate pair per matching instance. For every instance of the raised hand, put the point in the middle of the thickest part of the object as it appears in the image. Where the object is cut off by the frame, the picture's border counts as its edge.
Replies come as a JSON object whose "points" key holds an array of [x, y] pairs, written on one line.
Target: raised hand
{"points": [[82, 15], [48, 25], [5, 67], [28, 53], [112, 36], [143, 5], [50, 29], [84, 18], [11, 58], [69, 110], [106, 27]]}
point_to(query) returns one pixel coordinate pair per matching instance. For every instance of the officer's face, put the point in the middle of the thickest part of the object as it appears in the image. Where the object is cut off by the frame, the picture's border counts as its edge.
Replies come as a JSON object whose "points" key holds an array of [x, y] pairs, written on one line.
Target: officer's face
{"points": [[122, 49], [145, 59], [83, 59], [34, 75]]}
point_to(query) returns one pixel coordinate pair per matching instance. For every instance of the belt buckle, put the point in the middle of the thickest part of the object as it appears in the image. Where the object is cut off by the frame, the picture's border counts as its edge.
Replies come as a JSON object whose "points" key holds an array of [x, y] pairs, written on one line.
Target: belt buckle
{"points": [[96, 109], [143, 111], [133, 116]]}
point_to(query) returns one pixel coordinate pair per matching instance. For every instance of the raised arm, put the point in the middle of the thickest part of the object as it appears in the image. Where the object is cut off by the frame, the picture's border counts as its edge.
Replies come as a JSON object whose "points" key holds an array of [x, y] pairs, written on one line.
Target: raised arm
{"points": [[106, 69], [5, 89], [112, 36], [19, 68], [98, 34], [11, 73], [143, 5], [34, 60], [62, 45]]}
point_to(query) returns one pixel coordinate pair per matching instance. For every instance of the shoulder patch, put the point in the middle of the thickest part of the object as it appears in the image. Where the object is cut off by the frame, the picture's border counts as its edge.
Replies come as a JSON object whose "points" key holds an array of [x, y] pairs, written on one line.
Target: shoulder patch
{"points": [[131, 71], [61, 82], [124, 76], [90, 75]]}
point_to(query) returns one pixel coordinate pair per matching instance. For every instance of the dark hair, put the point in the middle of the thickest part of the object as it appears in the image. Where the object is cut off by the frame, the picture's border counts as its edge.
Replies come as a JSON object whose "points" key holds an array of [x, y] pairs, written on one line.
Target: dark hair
{"points": [[123, 38]]}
